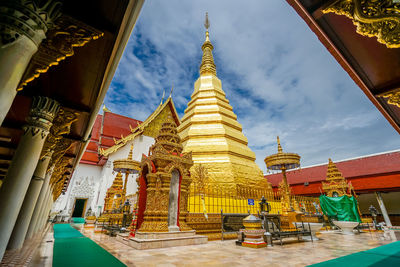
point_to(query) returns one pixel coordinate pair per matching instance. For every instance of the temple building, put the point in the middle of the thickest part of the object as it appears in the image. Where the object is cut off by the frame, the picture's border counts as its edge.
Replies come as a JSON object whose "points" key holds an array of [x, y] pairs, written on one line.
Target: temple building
{"points": [[210, 131], [375, 179], [112, 138]]}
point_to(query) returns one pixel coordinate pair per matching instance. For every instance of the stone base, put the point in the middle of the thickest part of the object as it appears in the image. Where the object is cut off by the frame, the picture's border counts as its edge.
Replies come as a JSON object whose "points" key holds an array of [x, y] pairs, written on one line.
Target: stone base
{"points": [[254, 245], [149, 240]]}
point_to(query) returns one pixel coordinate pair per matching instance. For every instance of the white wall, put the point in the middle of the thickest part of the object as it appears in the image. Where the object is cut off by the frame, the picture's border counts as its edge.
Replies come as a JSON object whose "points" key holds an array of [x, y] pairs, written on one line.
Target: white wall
{"points": [[98, 179], [141, 145], [84, 183]]}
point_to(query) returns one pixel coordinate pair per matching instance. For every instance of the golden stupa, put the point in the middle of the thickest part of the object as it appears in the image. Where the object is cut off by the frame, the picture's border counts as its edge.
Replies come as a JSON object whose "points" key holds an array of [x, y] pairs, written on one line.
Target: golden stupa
{"points": [[210, 130], [335, 185]]}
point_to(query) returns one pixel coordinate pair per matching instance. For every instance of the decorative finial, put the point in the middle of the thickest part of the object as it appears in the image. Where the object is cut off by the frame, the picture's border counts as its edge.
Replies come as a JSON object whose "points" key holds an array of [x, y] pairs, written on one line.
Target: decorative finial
{"points": [[130, 157], [279, 145], [163, 95], [105, 109], [207, 66], [206, 22], [172, 89]]}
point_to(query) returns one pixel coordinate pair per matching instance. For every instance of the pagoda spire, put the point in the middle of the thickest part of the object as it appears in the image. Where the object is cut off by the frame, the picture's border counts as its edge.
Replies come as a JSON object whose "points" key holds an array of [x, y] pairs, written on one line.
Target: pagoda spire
{"points": [[335, 185], [207, 66], [210, 130]]}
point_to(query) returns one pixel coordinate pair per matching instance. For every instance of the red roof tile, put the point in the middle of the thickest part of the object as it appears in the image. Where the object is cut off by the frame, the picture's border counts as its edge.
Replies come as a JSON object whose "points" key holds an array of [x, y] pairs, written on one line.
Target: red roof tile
{"points": [[379, 169], [104, 131]]}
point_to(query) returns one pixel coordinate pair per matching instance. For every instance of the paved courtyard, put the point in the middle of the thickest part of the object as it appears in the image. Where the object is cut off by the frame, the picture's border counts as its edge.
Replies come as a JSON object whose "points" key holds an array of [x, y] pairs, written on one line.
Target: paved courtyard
{"points": [[226, 253]]}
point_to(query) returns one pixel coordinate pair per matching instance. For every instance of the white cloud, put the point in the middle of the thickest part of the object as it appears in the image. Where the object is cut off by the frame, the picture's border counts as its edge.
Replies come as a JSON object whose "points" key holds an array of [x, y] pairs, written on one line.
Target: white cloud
{"points": [[278, 77]]}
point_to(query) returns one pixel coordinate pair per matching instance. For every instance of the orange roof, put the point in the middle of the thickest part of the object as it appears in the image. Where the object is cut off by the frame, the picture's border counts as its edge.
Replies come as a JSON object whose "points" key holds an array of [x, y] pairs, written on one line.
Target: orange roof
{"points": [[106, 127], [365, 173]]}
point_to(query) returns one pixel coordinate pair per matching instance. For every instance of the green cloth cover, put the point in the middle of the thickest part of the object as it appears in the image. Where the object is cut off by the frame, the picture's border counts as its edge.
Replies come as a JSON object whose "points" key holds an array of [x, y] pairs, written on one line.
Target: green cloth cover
{"points": [[342, 208], [78, 220]]}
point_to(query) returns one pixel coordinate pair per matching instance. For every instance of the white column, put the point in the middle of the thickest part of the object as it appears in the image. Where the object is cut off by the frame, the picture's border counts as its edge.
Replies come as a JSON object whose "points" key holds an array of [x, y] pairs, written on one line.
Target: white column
{"points": [[47, 210], [43, 213], [21, 226], [383, 209], [24, 29], [23, 164], [39, 204]]}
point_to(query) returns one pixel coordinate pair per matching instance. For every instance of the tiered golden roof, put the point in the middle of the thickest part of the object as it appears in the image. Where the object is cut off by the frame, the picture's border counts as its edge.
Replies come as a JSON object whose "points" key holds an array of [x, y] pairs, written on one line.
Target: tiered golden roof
{"points": [[210, 130], [117, 183], [114, 196], [336, 184]]}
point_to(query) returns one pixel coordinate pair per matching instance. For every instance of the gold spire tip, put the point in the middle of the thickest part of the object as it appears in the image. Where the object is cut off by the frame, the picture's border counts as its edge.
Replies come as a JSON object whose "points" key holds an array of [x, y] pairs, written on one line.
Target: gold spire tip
{"points": [[279, 144], [206, 22]]}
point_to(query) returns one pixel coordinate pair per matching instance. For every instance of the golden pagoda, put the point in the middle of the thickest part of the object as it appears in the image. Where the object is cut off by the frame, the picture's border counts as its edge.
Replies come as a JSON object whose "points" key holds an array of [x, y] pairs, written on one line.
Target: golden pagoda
{"points": [[115, 195], [210, 130], [335, 185]]}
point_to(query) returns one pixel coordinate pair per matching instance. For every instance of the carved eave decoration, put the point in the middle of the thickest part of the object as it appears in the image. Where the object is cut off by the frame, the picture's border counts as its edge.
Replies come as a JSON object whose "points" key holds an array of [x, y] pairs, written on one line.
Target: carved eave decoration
{"points": [[61, 126], [373, 18], [57, 144], [150, 127], [66, 34], [393, 97]]}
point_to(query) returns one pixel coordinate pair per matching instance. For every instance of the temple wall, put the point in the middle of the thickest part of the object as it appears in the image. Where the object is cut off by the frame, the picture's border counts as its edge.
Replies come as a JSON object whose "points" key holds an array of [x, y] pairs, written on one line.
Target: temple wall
{"points": [[84, 184], [102, 178], [141, 145], [390, 199]]}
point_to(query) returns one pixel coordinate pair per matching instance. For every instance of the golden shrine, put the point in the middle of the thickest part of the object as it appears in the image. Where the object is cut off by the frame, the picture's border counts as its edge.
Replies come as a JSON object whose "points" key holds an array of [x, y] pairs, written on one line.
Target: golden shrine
{"points": [[335, 185], [115, 195], [210, 130], [164, 184], [284, 161], [126, 166], [164, 181]]}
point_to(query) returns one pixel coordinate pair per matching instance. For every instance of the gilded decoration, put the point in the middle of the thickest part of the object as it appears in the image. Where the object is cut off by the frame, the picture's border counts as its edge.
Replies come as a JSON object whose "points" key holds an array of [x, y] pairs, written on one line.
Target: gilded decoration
{"points": [[115, 195], [150, 127], [56, 145], [210, 130], [66, 34], [284, 161], [127, 166], [393, 97], [335, 185], [165, 157], [373, 18], [41, 116], [61, 126], [30, 18]]}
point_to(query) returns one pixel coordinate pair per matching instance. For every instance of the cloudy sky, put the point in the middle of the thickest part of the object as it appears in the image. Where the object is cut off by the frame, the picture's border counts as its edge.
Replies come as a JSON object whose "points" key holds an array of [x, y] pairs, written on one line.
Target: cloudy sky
{"points": [[278, 77]]}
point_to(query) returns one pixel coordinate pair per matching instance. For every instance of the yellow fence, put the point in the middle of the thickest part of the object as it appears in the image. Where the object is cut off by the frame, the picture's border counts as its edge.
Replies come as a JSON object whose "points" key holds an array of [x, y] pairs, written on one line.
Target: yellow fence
{"points": [[212, 200]]}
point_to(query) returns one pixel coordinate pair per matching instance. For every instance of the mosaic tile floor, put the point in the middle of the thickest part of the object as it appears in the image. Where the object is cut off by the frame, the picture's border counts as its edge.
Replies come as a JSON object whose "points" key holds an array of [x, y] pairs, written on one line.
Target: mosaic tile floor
{"points": [[226, 253]]}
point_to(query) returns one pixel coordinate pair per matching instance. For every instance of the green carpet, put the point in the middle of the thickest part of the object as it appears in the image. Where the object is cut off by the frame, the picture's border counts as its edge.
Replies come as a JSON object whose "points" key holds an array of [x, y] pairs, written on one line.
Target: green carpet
{"points": [[72, 249], [65, 231], [387, 255]]}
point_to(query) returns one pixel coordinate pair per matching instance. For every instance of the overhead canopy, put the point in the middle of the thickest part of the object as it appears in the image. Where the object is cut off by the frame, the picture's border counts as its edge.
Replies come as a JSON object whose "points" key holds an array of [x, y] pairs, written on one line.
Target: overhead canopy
{"points": [[78, 82], [373, 66]]}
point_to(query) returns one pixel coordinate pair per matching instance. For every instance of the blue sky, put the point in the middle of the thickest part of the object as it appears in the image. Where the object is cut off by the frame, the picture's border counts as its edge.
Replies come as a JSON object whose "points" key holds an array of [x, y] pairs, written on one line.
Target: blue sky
{"points": [[278, 77]]}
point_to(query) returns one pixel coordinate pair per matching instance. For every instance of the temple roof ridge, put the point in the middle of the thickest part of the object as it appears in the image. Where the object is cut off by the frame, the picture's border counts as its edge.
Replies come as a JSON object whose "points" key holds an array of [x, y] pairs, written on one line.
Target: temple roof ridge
{"points": [[142, 126]]}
